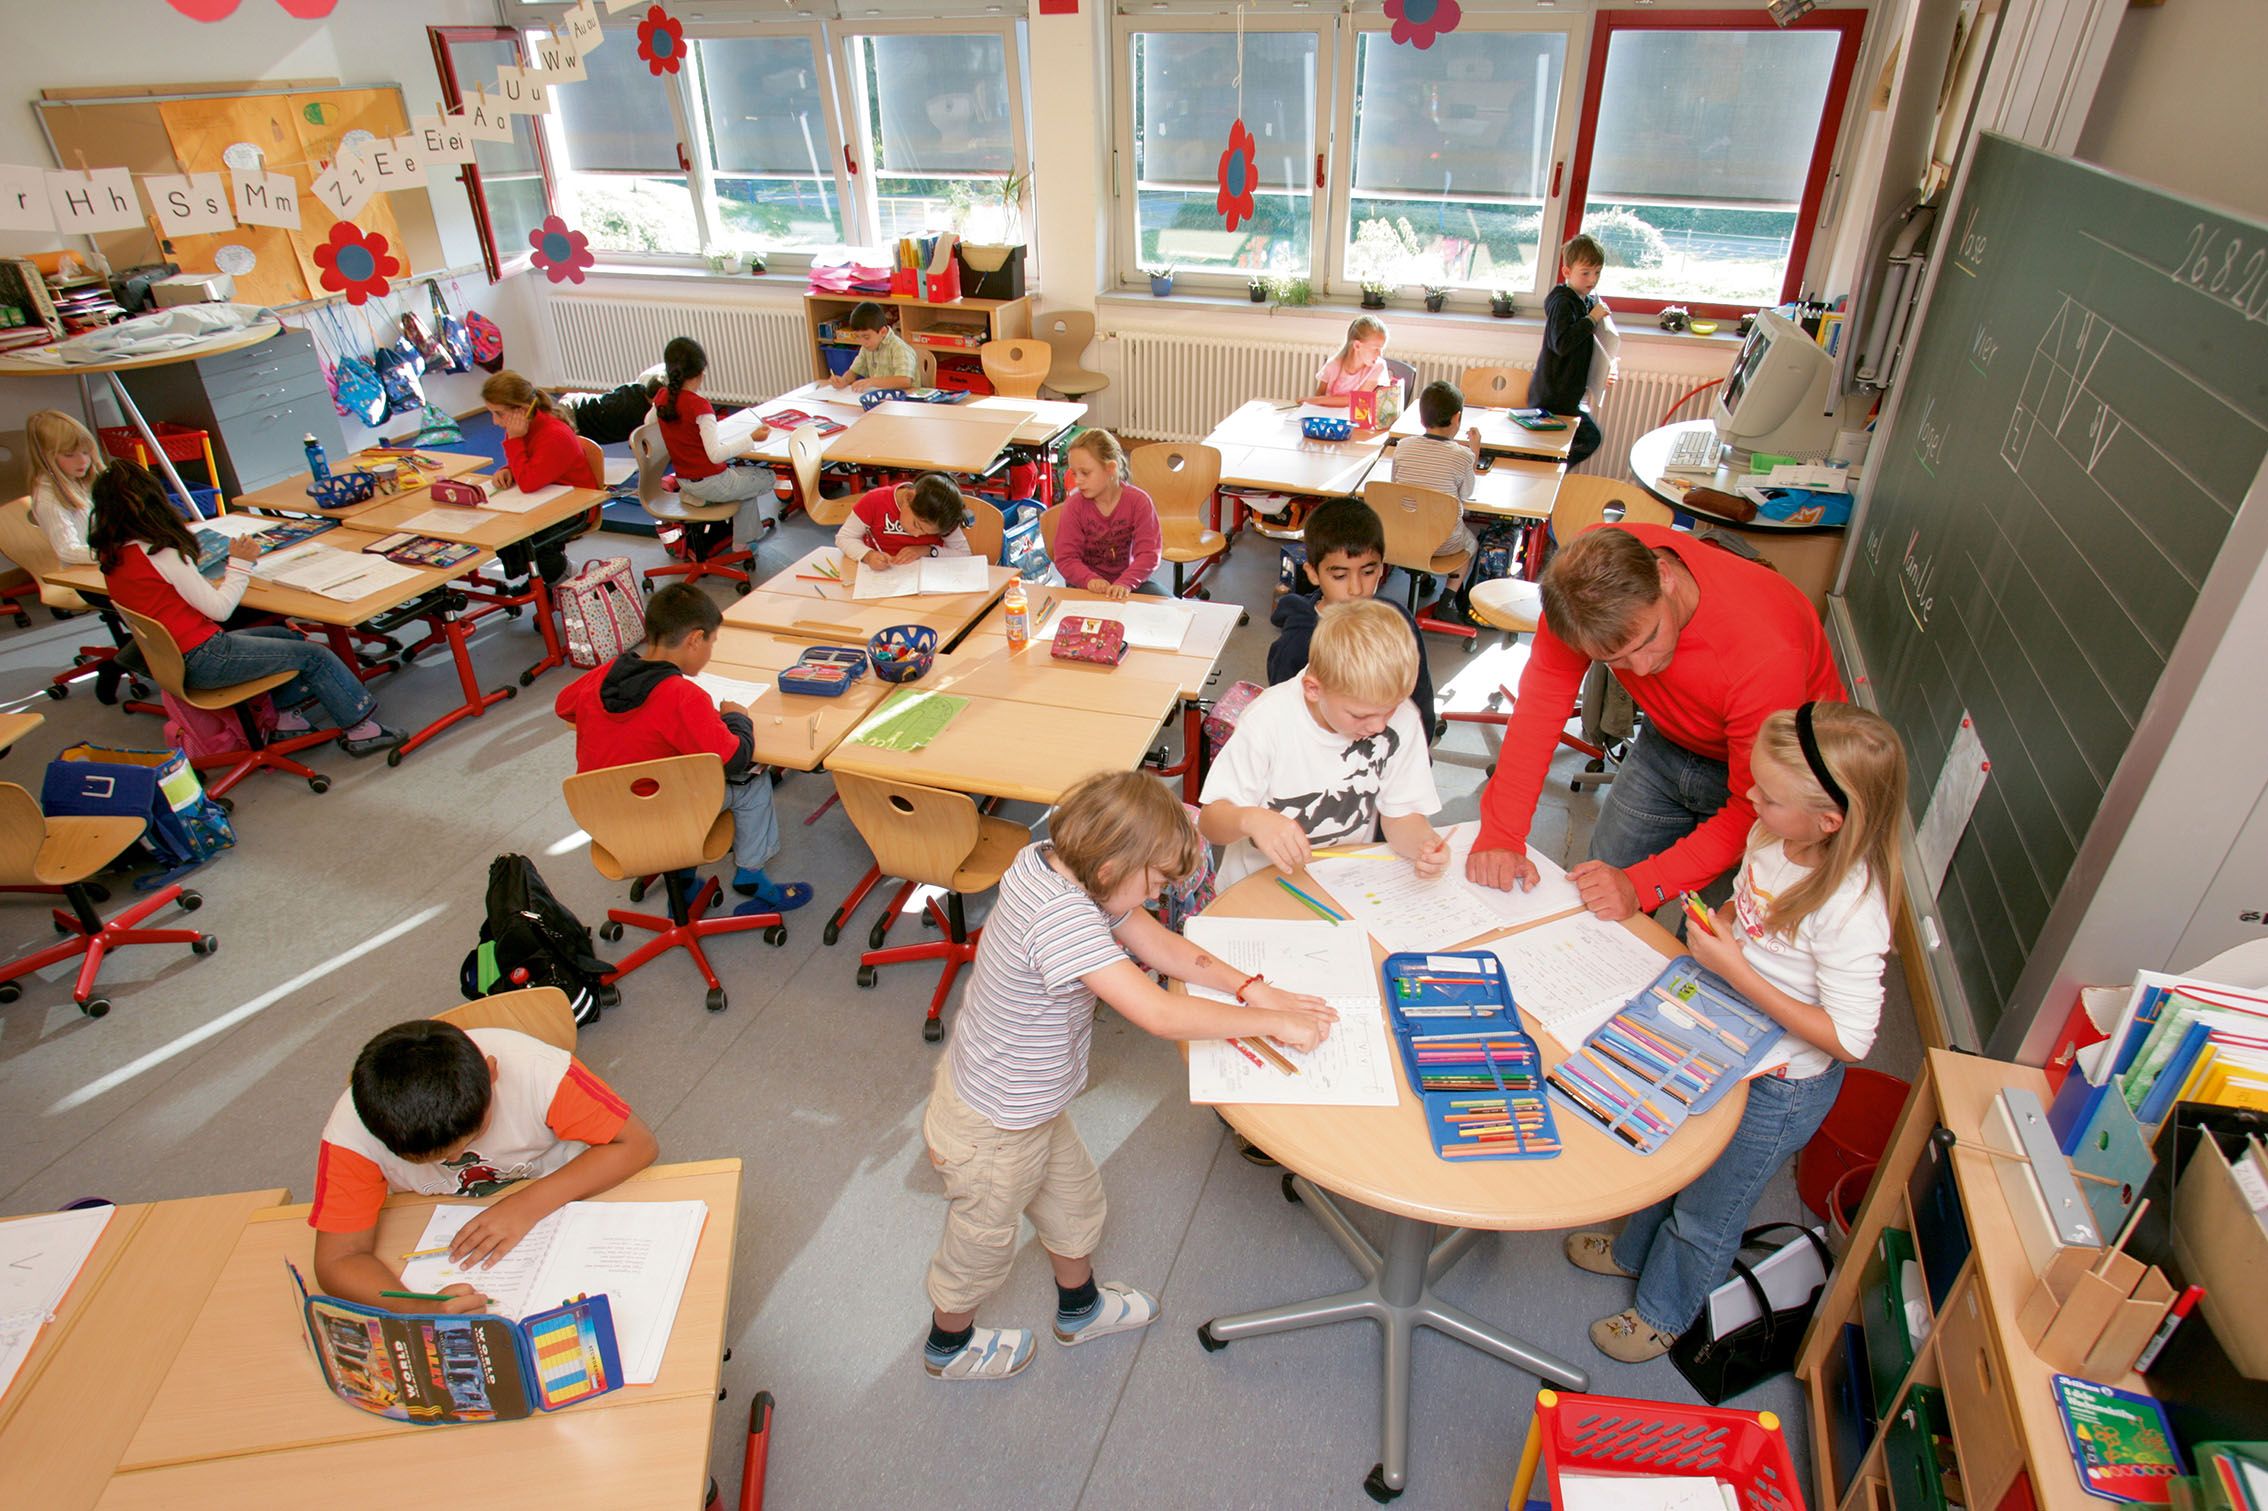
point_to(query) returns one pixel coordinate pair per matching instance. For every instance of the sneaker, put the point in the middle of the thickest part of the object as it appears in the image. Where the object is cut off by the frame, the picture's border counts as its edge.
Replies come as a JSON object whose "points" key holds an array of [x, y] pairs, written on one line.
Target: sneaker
{"points": [[1118, 1309], [384, 739], [1625, 1336], [1446, 610], [1594, 1251], [992, 1353]]}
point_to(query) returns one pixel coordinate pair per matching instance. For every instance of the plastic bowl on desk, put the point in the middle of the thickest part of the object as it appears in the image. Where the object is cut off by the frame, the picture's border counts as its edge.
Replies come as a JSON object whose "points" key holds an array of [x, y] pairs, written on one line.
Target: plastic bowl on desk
{"points": [[343, 489], [902, 652], [1318, 427]]}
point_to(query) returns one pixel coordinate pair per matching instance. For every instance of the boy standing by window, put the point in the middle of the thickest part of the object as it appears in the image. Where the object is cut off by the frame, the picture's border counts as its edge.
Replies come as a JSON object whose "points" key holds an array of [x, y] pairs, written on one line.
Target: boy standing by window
{"points": [[1573, 313]]}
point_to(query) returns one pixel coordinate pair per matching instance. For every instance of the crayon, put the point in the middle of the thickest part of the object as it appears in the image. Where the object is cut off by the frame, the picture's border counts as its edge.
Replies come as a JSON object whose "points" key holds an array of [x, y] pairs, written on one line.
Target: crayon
{"points": [[415, 1296]]}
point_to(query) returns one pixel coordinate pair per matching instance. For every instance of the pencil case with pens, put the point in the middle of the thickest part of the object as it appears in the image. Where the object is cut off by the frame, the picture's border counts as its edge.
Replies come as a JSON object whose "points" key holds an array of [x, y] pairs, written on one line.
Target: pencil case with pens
{"points": [[1475, 1070], [823, 671], [1671, 1053]]}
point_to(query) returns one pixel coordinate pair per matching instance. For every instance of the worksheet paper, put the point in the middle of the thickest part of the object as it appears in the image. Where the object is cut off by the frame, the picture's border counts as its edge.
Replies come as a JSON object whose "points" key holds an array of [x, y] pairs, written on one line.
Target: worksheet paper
{"points": [[445, 521], [931, 574], [314, 567], [1552, 894], [1353, 1067], [513, 501], [1572, 974], [1644, 1492], [638, 1253], [1149, 626], [723, 690], [39, 1258]]}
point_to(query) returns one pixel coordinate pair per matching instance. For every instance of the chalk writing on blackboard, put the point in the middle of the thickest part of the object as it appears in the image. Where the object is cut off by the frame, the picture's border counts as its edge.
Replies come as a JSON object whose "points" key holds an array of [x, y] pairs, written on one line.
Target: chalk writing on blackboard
{"points": [[1970, 256], [2220, 265], [1914, 573]]}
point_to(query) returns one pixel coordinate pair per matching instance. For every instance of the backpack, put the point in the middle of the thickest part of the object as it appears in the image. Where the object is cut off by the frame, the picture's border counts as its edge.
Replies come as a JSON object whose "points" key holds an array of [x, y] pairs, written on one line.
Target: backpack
{"points": [[201, 732], [1022, 546], [1497, 554], [487, 341], [601, 611], [355, 390], [449, 332], [397, 373], [432, 356], [529, 938]]}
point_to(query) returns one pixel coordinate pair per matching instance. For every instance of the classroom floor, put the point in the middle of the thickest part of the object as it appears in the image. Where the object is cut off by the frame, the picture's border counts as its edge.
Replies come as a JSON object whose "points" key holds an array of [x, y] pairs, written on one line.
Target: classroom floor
{"points": [[342, 913]]}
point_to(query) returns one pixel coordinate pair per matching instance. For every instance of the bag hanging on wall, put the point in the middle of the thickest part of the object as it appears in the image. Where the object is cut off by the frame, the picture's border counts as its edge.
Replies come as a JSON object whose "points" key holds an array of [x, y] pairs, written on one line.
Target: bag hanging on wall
{"points": [[358, 394], [1755, 1351], [186, 828], [487, 341], [450, 329], [602, 611], [398, 367]]}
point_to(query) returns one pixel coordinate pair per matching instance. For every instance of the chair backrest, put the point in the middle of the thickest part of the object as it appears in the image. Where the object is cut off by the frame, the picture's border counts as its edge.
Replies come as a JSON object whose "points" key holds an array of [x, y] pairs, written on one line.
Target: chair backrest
{"points": [[1405, 374], [1495, 387], [804, 459], [594, 457], [919, 834], [653, 461], [651, 816], [1180, 477], [1417, 521], [925, 367], [540, 1012], [23, 542], [1051, 521], [23, 830], [1068, 334], [984, 527], [159, 649], [1585, 501], [1017, 368]]}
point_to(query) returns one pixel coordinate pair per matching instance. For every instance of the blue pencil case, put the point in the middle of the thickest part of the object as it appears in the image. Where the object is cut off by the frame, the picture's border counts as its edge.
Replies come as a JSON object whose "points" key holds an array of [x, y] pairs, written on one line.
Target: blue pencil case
{"points": [[1671, 1053], [1476, 1072]]}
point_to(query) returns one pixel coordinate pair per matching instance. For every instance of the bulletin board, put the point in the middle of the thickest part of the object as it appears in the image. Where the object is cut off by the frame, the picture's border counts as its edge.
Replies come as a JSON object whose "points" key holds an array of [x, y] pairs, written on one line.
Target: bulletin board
{"points": [[297, 131]]}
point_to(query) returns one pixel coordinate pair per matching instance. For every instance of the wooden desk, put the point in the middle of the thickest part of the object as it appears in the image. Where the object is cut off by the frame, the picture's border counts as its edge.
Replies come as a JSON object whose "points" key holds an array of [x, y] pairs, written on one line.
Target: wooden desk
{"points": [[1022, 751], [1035, 676], [493, 528], [1499, 433], [1513, 487], [243, 1387], [1316, 469], [290, 495], [1382, 1158], [926, 438], [825, 611], [1263, 422], [14, 727], [66, 1421], [1040, 422], [313, 608], [785, 735], [1807, 555]]}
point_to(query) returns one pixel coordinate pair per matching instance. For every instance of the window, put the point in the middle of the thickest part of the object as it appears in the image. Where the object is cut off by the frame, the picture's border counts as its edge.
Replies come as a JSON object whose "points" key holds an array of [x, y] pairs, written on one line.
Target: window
{"points": [[509, 182], [771, 150], [1706, 144], [940, 119], [622, 180]]}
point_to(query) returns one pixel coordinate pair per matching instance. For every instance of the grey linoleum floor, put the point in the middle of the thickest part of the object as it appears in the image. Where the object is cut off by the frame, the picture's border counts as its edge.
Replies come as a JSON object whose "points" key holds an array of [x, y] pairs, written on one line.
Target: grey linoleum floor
{"points": [[341, 913]]}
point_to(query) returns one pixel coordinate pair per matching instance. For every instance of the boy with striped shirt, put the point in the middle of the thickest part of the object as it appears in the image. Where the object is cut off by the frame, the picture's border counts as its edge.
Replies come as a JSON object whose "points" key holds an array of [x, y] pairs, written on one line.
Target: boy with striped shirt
{"points": [[1069, 916]]}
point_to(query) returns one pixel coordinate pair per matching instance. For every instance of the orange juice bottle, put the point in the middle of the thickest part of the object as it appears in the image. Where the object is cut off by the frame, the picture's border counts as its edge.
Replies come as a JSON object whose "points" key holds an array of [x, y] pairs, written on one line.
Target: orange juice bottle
{"points": [[1019, 614]]}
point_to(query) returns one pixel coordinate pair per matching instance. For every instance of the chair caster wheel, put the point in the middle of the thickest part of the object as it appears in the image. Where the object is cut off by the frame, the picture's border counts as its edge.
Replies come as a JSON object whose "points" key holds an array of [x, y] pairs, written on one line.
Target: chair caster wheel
{"points": [[741, 588], [227, 804], [139, 691], [716, 1004], [868, 975], [608, 996], [1376, 1488], [610, 931], [58, 691], [23, 621], [205, 945], [95, 1007], [1472, 645], [187, 902], [101, 893], [932, 1030], [1244, 619], [638, 890], [61, 927], [394, 757], [81, 659], [527, 679], [776, 935], [513, 612], [832, 932], [878, 933], [1212, 1344], [1291, 1190], [10, 991], [319, 784]]}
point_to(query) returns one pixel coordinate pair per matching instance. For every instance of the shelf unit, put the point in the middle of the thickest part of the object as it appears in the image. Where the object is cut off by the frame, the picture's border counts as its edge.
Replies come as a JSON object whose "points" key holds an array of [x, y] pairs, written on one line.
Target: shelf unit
{"points": [[2009, 1452], [1001, 319]]}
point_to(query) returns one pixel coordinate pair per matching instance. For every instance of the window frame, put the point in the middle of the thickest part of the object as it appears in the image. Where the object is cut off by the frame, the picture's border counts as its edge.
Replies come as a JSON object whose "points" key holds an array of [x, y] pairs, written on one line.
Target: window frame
{"points": [[701, 150], [442, 38], [554, 133], [1833, 117]]}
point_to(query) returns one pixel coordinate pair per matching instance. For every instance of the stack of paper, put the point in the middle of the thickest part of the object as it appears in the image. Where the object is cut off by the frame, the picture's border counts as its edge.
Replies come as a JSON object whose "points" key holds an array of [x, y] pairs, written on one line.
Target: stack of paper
{"points": [[1149, 626], [1354, 1067], [931, 574], [513, 501], [344, 576], [1572, 974], [1645, 1492], [1381, 891], [637, 1253], [39, 1258]]}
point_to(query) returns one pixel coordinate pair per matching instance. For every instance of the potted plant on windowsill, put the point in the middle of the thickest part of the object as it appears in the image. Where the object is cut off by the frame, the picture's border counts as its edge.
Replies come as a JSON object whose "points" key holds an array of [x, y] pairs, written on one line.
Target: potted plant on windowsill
{"points": [[1500, 303], [992, 228], [1288, 290], [1161, 277], [1257, 287], [1435, 297], [1381, 259]]}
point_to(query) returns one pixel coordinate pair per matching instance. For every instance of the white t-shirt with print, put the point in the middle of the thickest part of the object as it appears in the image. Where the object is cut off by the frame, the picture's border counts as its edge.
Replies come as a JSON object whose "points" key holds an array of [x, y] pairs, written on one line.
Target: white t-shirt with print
{"points": [[1335, 788], [1834, 958]]}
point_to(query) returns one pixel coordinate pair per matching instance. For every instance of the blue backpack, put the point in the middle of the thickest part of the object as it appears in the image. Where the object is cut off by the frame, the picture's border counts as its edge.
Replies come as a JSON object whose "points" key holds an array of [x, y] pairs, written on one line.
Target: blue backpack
{"points": [[397, 375]]}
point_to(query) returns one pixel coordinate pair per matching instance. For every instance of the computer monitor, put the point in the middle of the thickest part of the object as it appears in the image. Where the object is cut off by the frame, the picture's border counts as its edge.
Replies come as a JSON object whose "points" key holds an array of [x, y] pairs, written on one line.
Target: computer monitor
{"points": [[1780, 396]]}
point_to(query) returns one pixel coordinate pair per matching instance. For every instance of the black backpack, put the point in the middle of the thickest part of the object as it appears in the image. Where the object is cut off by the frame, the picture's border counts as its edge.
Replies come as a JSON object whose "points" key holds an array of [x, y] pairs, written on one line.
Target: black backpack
{"points": [[530, 938]]}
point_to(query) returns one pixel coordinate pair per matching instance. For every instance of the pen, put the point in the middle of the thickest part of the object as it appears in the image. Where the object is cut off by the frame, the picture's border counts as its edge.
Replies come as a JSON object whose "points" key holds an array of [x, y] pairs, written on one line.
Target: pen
{"points": [[2158, 1340]]}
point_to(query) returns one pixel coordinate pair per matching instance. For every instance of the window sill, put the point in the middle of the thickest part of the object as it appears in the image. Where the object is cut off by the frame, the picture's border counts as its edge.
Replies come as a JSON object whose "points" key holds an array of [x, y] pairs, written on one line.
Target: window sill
{"points": [[1408, 322], [650, 273]]}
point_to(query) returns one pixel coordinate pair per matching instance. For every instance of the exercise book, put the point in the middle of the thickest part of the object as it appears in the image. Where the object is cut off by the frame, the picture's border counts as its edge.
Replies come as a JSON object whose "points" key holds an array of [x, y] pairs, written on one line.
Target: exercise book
{"points": [[636, 1253], [1573, 973], [723, 690], [1353, 1067], [514, 501], [1382, 892], [931, 574], [1552, 895], [40, 1257]]}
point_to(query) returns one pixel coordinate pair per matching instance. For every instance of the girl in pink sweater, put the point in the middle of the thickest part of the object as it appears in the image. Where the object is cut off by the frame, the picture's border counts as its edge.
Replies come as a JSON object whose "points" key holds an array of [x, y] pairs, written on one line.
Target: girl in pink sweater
{"points": [[1109, 539]]}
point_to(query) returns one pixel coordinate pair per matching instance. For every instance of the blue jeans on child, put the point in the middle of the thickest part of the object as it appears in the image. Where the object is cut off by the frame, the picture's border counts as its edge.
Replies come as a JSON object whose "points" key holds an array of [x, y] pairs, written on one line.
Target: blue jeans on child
{"points": [[750, 487], [240, 655], [1661, 793], [755, 826], [1683, 1248]]}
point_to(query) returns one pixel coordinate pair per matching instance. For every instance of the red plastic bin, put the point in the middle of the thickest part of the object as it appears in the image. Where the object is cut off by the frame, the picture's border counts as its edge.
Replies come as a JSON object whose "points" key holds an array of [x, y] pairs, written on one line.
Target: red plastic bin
{"points": [[1587, 1434], [180, 443], [1856, 1131]]}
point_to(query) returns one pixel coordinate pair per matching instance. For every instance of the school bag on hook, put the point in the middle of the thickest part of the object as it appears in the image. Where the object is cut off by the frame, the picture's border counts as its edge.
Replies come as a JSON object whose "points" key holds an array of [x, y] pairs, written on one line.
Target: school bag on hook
{"points": [[454, 338], [487, 341], [530, 938], [357, 394]]}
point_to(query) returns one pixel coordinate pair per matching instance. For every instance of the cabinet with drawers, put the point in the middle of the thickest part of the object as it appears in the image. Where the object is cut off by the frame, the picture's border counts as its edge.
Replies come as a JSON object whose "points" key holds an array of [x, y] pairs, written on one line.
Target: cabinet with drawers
{"points": [[260, 404]]}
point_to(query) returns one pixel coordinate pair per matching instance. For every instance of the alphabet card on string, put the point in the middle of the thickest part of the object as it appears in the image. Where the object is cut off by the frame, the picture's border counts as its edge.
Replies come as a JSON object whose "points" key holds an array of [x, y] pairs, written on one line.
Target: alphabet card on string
{"points": [[267, 199], [189, 204], [23, 200], [484, 117], [445, 140], [103, 200]]}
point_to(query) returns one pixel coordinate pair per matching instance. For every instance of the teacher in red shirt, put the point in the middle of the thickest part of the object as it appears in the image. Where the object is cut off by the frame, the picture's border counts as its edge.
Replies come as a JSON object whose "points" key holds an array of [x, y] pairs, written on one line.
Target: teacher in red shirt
{"points": [[1708, 643]]}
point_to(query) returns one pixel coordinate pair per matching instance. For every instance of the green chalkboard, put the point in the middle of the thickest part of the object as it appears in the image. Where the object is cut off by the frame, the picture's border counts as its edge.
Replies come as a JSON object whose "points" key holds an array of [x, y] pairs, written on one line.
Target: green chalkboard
{"points": [[2083, 413]]}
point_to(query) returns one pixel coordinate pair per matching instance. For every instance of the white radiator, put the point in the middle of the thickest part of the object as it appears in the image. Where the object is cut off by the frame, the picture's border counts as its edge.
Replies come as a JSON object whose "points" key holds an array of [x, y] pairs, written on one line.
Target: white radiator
{"points": [[1177, 387], [754, 352]]}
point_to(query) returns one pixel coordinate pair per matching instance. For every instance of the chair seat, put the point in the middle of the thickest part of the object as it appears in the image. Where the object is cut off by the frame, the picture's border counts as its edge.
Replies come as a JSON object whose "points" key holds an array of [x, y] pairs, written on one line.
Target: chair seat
{"points": [[75, 848], [1076, 382], [998, 842], [677, 510], [1183, 542], [714, 844], [234, 693], [1449, 562], [1508, 603]]}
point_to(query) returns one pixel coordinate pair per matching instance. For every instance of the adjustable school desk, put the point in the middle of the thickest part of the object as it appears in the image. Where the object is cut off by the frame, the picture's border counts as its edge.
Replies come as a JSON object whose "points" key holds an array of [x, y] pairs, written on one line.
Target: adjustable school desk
{"points": [[1499, 434], [825, 611], [1513, 487], [14, 727], [1043, 419], [1382, 1158], [290, 495], [794, 730], [1025, 752]]}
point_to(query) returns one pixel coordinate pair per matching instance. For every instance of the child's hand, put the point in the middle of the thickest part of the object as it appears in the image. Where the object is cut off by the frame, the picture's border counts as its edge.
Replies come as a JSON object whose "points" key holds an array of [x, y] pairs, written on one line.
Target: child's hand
{"points": [[1097, 585], [761, 431], [1719, 951], [1117, 592], [1280, 841], [492, 1234], [1432, 860], [877, 561], [909, 555], [462, 1298], [1472, 434], [1306, 1020], [241, 549], [733, 708], [502, 480]]}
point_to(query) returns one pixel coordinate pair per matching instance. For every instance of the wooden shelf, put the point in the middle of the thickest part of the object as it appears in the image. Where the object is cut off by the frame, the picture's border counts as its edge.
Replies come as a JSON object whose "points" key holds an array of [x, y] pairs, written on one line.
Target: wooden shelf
{"points": [[1004, 319]]}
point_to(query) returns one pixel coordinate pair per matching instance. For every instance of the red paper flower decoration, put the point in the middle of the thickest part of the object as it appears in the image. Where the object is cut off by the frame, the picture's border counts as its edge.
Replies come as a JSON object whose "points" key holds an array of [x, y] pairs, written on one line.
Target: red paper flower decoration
{"points": [[1418, 22], [1239, 175], [220, 10], [661, 42], [561, 253], [355, 262]]}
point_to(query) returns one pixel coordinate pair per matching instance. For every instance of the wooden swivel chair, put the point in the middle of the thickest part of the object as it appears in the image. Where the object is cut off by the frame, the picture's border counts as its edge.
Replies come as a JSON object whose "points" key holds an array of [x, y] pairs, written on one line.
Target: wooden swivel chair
{"points": [[1051, 525], [1494, 387], [23, 542], [1181, 480], [1418, 522], [984, 528], [540, 1012], [64, 854], [261, 752], [1016, 369], [925, 367], [1068, 334], [935, 839], [805, 460], [664, 817], [668, 508]]}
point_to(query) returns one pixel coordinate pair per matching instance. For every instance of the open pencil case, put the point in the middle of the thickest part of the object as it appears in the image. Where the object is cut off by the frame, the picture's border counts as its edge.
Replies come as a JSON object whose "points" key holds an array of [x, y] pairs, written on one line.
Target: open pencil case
{"points": [[1474, 1069], [823, 671], [1672, 1052]]}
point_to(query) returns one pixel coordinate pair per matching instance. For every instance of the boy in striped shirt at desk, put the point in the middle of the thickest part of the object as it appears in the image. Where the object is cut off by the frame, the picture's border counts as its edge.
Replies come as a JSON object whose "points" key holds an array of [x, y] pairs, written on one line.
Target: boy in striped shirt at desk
{"points": [[1069, 927]]}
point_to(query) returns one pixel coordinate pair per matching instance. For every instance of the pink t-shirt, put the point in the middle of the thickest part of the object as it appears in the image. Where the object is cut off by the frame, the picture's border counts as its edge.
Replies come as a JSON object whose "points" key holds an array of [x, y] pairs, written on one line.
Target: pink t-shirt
{"points": [[1338, 382]]}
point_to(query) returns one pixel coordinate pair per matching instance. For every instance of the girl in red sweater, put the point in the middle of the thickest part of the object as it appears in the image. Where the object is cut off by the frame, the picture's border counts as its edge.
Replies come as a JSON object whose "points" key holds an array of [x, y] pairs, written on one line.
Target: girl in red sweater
{"points": [[540, 449], [697, 453]]}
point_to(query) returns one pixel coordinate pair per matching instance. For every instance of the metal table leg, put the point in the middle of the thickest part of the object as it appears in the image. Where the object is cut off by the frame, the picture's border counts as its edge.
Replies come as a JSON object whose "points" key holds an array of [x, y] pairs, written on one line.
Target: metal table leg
{"points": [[1397, 1294], [149, 438]]}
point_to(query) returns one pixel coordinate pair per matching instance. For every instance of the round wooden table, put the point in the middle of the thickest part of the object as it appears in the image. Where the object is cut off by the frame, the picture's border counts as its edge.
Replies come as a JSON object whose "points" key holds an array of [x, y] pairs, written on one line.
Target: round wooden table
{"points": [[1806, 555], [1382, 1158]]}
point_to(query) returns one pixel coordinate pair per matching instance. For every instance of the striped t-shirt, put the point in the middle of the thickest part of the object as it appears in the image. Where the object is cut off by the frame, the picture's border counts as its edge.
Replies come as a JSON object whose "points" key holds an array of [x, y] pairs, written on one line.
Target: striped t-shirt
{"points": [[1424, 461], [1019, 1048]]}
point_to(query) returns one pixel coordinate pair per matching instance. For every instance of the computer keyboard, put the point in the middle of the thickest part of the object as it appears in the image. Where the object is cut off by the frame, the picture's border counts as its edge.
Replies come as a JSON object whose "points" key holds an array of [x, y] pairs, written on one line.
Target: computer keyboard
{"points": [[1694, 451]]}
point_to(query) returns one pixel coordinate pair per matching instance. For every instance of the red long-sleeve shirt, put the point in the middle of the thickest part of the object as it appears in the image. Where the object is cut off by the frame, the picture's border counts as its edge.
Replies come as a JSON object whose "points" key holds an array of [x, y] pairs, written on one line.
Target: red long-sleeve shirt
{"points": [[1753, 647], [549, 453]]}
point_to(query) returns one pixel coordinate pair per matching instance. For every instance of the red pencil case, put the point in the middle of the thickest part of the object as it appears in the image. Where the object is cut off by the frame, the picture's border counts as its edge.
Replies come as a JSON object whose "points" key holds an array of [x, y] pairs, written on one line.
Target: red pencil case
{"points": [[1101, 641], [457, 490]]}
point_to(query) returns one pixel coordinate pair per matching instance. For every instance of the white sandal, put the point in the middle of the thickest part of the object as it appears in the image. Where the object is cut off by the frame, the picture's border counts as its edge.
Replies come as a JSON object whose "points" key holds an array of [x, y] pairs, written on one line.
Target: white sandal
{"points": [[992, 1353], [1118, 1309]]}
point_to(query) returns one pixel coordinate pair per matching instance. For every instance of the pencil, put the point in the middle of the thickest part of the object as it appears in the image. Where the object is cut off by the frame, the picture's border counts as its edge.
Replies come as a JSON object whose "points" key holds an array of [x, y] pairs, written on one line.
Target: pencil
{"points": [[1243, 1049], [1342, 851], [416, 1296], [1328, 912], [815, 577], [427, 1253], [1269, 1051]]}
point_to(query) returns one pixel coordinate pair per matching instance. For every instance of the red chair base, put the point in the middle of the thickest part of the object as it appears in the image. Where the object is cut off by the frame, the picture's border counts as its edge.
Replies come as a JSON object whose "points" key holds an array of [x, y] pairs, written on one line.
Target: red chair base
{"points": [[726, 564], [1426, 622], [275, 755], [684, 929], [93, 937], [956, 949]]}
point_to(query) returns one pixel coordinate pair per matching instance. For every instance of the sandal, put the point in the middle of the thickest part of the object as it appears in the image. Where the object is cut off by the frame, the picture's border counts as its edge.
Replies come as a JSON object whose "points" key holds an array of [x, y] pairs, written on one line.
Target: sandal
{"points": [[384, 739]]}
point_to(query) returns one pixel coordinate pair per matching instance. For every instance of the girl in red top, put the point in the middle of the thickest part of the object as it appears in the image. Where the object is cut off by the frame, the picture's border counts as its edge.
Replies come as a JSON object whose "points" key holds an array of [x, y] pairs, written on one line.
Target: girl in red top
{"points": [[697, 453], [149, 565], [891, 526], [540, 449]]}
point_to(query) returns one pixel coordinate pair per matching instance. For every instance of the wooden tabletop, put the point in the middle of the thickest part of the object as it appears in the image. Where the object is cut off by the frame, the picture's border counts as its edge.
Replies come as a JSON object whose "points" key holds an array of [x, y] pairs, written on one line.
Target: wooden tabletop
{"points": [[1044, 419], [290, 495], [826, 611], [34, 367], [1190, 669], [314, 608], [786, 734], [1033, 675], [1516, 487], [1265, 422], [1040, 420], [95, 1368], [244, 1383], [493, 528], [1319, 469], [1499, 433], [1023, 751], [14, 727], [1383, 1157], [926, 437]]}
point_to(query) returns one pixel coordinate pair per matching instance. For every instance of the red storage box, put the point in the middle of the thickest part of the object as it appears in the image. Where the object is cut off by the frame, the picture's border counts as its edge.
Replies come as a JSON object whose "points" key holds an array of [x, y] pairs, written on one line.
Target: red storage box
{"points": [[180, 443], [1584, 1434]]}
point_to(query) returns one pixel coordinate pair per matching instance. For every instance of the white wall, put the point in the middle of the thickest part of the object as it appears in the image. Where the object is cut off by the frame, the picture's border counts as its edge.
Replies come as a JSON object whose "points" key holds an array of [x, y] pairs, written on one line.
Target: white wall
{"points": [[2179, 104]]}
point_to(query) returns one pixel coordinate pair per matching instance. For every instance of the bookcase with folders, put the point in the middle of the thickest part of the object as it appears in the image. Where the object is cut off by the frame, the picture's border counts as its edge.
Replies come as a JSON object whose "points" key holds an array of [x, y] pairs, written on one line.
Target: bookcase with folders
{"points": [[952, 330], [1923, 1394]]}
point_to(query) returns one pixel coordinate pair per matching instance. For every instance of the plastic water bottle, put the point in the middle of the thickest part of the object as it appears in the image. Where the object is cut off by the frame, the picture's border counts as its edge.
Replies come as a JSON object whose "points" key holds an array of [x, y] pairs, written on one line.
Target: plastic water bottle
{"points": [[1019, 615], [318, 464]]}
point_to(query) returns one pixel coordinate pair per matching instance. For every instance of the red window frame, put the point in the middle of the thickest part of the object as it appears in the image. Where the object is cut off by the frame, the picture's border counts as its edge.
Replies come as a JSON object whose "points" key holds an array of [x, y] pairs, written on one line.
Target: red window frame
{"points": [[453, 98], [1850, 24]]}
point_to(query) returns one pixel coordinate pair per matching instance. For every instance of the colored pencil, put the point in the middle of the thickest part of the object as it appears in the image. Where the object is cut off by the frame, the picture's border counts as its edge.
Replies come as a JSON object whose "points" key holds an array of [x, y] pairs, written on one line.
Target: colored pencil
{"points": [[1340, 852], [427, 1253], [1241, 1048], [1696, 912], [815, 577], [1327, 911], [1738, 1045], [1268, 1051], [416, 1296]]}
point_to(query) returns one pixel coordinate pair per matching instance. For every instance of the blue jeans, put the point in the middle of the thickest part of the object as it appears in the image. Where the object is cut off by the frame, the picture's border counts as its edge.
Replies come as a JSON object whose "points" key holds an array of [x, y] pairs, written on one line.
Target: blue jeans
{"points": [[755, 826], [1660, 793], [1683, 1248], [750, 487], [240, 655]]}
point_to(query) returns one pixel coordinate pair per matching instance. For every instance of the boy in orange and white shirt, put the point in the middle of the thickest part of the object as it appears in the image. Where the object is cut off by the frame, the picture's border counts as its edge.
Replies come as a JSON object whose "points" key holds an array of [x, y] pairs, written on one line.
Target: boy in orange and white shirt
{"points": [[447, 1111]]}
